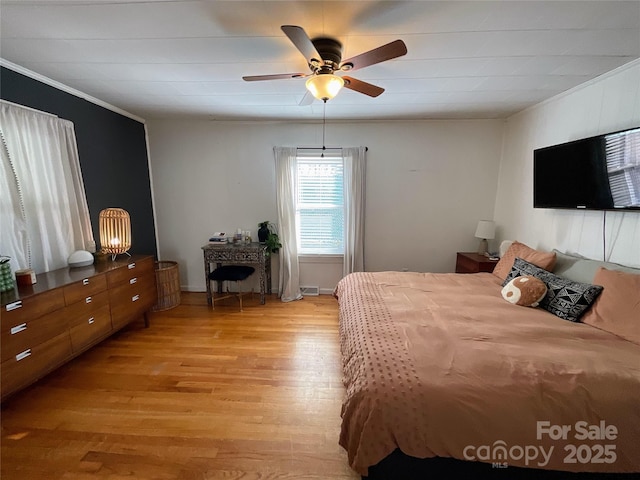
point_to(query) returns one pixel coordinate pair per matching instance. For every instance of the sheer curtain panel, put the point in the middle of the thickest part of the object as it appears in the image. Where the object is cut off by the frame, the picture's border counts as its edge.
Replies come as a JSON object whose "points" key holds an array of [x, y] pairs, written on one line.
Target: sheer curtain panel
{"points": [[43, 206], [286, 195], [355, 167]]}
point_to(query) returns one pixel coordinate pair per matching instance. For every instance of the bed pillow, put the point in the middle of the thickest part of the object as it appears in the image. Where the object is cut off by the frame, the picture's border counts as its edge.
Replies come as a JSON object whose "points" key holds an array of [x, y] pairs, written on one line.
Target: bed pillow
{"points": [[565, 298], [521, 267], [545, 260], [582, 269], [504, 246], [617, 309], [525, 290]]}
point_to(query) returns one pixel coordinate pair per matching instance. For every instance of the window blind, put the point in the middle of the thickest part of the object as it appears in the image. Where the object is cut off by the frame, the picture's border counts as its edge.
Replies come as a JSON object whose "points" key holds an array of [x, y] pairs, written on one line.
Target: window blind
{"points": [[623, 167], [320, 204]]}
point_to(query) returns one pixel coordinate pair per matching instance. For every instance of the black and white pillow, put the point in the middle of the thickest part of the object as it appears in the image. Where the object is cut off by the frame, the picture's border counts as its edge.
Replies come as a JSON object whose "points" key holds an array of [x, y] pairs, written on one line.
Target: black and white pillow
{"points": [[565, 298], [522, 267]]}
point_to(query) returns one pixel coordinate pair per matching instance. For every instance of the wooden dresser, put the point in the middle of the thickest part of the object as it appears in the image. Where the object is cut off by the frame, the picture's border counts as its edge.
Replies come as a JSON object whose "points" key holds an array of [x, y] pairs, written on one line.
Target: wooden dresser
{"points": [[68, 311]]}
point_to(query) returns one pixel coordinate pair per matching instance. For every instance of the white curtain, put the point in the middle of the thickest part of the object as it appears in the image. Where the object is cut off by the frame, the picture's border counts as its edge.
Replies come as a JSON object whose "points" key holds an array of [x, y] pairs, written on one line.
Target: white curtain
{"points": [[354, 200], [43, 207], [286, 197]]}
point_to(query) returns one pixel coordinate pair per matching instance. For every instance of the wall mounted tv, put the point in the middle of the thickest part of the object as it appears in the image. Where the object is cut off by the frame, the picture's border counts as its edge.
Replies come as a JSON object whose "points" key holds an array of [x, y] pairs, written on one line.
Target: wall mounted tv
{"points": [[596, 173]]}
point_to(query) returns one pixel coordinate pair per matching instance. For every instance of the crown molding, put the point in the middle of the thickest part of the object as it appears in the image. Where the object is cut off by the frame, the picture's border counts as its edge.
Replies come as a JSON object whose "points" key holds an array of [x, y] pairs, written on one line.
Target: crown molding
{"points": [[65, 88]]}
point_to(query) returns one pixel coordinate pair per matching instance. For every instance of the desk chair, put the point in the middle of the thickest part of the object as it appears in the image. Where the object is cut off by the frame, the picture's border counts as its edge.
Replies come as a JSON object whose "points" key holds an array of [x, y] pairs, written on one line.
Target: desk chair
{"points": [[230, 273]]}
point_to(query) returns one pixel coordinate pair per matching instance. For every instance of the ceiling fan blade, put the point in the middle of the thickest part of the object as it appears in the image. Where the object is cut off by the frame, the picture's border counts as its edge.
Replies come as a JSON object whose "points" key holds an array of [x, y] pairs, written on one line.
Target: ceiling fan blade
{"points": [[386, 52], [254, 78], [307, 99], [301, 40], [362, 87]]}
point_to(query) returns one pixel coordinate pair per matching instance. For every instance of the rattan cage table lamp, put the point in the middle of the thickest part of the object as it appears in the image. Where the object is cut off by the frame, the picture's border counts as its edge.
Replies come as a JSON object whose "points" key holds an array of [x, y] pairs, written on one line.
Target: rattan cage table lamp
{"points": [[115, 231]]}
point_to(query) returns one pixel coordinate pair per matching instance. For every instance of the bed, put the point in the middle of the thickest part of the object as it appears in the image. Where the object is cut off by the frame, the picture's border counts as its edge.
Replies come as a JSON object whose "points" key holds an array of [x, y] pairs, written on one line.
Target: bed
{"points": [[442, 374]]}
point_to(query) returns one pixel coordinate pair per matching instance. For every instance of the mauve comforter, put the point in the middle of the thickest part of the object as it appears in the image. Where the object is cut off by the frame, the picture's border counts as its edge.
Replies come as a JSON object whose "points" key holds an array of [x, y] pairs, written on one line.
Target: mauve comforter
{"points": [[442, 365]]}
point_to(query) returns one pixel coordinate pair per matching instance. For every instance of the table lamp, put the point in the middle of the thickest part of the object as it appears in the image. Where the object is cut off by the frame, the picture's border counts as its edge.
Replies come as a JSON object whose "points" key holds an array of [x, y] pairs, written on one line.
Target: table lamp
{"points": [[486, 230], [115, 231]]}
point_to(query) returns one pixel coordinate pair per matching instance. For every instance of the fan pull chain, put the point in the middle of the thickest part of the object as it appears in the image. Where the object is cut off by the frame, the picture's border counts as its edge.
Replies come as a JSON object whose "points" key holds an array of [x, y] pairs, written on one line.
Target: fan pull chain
{"points": [[324, 122]]}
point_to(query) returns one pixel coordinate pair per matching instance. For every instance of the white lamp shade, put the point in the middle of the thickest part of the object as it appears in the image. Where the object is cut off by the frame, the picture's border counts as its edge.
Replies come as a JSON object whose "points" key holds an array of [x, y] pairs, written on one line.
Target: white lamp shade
{"points": [[324, 86], [486, 229]]}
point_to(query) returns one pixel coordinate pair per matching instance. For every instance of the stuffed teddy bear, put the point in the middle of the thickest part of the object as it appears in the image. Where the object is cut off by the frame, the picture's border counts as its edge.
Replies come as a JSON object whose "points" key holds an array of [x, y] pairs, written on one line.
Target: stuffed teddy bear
{"points": [[525, 290]]}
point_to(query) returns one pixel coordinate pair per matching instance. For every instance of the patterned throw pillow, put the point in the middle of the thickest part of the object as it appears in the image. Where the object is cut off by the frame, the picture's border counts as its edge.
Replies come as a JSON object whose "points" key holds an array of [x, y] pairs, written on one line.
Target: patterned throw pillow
{"points": [[523, 267], [565, 298]]}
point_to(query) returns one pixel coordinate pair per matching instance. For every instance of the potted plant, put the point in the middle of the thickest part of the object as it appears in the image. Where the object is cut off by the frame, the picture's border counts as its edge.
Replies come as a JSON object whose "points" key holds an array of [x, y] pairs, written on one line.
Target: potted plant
{"points": [[263, 231], [273, 242], [267, 234]]}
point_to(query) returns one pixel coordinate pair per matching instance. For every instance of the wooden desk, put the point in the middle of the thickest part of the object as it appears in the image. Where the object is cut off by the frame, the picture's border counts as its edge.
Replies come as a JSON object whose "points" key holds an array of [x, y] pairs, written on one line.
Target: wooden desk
{"points": [[230, 253]]}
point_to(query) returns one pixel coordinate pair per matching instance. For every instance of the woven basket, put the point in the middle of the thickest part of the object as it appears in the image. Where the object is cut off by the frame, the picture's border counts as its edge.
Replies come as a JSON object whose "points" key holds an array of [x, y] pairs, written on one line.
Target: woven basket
{"points": [[168, 286]]}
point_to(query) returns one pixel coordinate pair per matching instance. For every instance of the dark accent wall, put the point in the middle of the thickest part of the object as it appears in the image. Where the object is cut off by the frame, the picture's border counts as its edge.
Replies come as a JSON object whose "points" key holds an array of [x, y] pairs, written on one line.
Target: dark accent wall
{"points": [[112, 149]]}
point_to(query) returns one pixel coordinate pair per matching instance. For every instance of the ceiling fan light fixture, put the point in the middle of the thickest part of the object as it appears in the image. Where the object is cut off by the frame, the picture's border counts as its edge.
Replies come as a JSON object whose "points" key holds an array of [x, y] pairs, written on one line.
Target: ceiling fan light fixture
{"points": [[324, 86]]}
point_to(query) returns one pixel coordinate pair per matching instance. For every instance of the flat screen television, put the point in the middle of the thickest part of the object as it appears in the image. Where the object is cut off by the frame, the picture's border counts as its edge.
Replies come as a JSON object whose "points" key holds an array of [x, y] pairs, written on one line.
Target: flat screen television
{"points": [[595, 173]]}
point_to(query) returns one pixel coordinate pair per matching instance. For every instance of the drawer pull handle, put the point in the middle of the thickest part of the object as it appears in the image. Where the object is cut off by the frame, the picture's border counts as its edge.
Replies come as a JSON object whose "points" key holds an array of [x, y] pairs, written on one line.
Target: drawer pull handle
{"points": [[131, 266], [91, 320], [14, 305], [135, 298], [87, 300], [85, 281], [23, 355], [133, 280], [18, 328]]}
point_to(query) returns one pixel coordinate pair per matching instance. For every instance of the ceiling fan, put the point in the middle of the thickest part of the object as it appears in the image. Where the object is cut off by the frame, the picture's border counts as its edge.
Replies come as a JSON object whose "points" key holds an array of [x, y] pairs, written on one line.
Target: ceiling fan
{"points": [[324, 56]]}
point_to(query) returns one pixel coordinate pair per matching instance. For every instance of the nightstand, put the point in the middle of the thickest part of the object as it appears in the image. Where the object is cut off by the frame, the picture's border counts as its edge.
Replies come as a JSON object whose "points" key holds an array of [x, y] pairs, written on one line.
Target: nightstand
{"points": [[471, 262]]}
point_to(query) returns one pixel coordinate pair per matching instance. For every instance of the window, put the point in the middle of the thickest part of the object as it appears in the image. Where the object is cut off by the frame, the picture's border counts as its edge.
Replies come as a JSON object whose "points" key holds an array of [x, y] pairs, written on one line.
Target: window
{"points": [[320, 203], [43, 207], [623, 167]]}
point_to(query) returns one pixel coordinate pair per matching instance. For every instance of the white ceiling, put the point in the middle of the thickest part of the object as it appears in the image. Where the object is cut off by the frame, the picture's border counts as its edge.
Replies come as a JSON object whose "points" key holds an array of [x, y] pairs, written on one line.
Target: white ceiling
{"points": [[175, 57]]}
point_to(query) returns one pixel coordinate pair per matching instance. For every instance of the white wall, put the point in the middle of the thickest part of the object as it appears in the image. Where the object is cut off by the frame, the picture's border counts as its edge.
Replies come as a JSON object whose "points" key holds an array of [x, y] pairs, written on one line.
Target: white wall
{"points": [[607, 104], [428, 183]]}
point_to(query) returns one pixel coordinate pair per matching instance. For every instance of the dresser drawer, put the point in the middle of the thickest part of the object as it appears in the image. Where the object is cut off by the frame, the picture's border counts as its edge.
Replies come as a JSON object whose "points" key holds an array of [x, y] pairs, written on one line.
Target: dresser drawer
{"points": [[80, 311], [130, 300], [30, 308], [31, 364], [86, 288], [20, 336], [88, 329], [131, 271]]}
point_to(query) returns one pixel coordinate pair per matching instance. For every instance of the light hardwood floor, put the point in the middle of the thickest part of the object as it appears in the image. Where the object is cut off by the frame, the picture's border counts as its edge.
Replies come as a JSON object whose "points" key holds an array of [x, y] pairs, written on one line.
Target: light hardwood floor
{"points": [[201, 394]]}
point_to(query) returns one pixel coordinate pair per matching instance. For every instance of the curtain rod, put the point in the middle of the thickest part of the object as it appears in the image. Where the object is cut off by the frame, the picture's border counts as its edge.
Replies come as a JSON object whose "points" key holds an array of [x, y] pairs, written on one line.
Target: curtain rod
{"points": [[325, 148]]}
